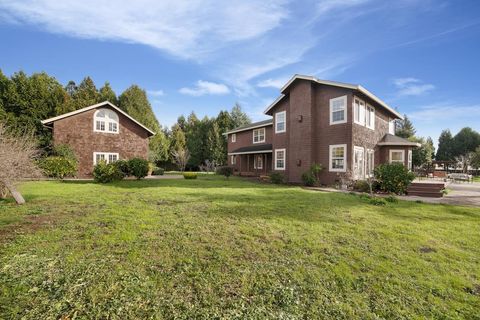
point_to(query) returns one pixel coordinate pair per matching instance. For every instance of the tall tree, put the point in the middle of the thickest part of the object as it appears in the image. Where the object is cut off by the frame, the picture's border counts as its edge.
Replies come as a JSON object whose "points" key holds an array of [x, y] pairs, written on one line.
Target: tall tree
{"points": [[225, 123], [86, 94], [475, 158], [423, 155], [445, 146], [404, 128], [464, 144], [106, 93], [177, 139], [239, 118], [134, 101], [214, 141]]}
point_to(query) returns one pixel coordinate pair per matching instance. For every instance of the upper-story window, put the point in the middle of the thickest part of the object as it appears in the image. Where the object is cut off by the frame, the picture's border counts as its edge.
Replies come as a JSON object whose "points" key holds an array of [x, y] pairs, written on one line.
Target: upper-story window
{"points": [[259, 135], [338, 110], [105, 120], [234, 137], [359, 111], [370, 117], [280, 122], [391, 127]]}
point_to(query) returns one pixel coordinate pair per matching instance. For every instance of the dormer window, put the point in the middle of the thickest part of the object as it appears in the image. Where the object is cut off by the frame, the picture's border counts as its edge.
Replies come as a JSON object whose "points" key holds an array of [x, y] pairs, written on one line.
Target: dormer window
{"points": [[105, 120]]}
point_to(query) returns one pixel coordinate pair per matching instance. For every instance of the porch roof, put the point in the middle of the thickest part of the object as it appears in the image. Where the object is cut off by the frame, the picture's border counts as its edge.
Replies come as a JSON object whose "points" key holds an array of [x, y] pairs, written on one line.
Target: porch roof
{"points": [[261, 148], [392, 140]]}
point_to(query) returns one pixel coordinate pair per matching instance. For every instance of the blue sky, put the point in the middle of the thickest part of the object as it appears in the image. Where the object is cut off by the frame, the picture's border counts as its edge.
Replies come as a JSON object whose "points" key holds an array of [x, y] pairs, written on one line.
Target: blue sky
{"points": [[420, 56]]}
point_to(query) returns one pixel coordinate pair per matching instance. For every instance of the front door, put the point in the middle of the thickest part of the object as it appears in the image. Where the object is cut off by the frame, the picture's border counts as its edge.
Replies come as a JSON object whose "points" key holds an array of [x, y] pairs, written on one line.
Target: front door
{"points": [[358, 163]]}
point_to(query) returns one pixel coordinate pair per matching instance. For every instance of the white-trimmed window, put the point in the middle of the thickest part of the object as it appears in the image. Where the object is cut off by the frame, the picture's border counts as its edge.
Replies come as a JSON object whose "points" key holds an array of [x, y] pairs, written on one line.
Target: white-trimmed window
{"points": [[259, 135], [397, 156], [358, 163], [280, 157], [370, 117], [338, 158], [234, 137], [280, 122], [233, 159], [338, 110], [258, 162], [370, 163], [391, 127], [109, 157], [105, 120], [359, 111], [410, 160]]}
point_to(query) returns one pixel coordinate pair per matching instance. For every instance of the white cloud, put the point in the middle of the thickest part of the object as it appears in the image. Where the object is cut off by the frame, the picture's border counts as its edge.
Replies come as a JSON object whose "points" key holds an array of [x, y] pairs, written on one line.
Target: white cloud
{"points": [[273, 83], [186, 29], [205, 87], [156, 93], [412, 86]]}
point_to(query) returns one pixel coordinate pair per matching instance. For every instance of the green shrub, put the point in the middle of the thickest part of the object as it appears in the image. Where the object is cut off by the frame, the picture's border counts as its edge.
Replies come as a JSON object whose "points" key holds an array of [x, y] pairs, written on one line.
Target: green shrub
{"points": [[393, 178], [64, 151], [276, 178], [123, 166], [58, 167], [361, 186], [138, 167], [158, 171], [376, 201], [365, 196], [391, 199], [105, 173], [225, 171], [310, 177], [190, 175]]}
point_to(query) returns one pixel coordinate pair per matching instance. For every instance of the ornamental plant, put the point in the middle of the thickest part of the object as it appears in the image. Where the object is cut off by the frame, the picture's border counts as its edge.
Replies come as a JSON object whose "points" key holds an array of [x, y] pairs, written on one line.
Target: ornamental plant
{"points": [[393, 178]]}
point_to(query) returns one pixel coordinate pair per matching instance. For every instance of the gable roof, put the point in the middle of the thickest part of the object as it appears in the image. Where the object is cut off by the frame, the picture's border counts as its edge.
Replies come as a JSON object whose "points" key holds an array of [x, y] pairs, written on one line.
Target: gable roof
{"points": [[392, 140], [69, 114], [335, 84], [254, 125]]}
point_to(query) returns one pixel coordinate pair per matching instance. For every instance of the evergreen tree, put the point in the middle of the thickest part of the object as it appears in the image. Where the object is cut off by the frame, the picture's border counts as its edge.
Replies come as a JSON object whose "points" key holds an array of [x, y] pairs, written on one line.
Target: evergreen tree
{"points": [[225, 123], [182, 122], [71, 88], [134, 101], [445, 146], [194, 140], [159, 147], [465, 142], [177, 139], [106, 93], [239, 118], [214, 149], [404, 128], [86, 94]]}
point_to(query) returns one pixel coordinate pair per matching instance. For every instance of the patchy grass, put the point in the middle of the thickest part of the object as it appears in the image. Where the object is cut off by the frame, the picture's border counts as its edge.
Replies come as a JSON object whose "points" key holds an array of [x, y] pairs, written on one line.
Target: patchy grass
{"points": [[476, 179], [216, 248]]}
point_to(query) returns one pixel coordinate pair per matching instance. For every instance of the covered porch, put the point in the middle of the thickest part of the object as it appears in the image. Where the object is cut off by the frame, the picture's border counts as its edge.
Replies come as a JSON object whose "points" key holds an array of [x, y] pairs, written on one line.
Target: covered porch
{"points": [[252, 161]]}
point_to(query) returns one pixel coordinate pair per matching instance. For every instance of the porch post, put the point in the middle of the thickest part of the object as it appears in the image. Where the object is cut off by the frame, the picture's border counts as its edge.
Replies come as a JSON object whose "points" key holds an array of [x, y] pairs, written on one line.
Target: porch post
{"points": [[248, 163]]}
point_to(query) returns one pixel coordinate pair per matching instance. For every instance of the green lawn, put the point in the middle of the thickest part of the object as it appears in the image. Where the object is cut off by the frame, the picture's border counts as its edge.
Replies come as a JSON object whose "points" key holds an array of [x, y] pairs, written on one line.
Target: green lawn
{"points": [[211, 248]]}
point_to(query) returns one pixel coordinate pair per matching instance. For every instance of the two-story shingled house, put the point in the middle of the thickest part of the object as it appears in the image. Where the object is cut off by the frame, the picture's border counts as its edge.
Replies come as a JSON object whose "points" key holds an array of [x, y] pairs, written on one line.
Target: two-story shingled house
{"points": [[100, 132], [343, 127]]}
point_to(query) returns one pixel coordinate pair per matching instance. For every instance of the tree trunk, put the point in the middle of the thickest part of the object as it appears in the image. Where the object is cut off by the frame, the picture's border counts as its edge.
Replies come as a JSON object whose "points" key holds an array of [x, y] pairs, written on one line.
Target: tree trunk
{"points": [[15, 194], [3, 191]]}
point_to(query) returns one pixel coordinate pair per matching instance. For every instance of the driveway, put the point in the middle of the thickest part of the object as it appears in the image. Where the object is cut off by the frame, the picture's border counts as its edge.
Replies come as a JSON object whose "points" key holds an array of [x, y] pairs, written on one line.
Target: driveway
{"points": [[460, 193]]}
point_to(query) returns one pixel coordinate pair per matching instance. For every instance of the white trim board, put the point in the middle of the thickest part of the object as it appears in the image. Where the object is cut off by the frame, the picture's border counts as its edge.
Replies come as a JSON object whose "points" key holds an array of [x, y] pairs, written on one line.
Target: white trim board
{"points": [[69, 114], [249, 152], [335, 84]]}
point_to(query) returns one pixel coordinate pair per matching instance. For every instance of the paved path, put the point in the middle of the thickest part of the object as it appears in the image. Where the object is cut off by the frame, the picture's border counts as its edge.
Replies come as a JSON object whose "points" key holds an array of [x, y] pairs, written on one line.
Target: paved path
{"points": [[463, 194]]}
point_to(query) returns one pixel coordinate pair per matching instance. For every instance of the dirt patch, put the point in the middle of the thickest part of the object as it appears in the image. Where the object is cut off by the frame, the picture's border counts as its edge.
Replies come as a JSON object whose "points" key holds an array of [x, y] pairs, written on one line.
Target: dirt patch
{"points": [[427, 249], [30, 224]]}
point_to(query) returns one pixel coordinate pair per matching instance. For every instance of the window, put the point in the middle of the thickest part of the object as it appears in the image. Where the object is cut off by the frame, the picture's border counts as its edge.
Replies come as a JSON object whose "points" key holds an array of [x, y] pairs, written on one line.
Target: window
{"points": [[358, 163], [108, 157], [234, 137], [397, 156], [233, 159], [359, 111], [338, 110], [258, 162], [370, 164], [338, 158], [280, 122], [259, 135], [279, 159], [410, 162], [105, 120], [391, 127], [370, 117]]}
